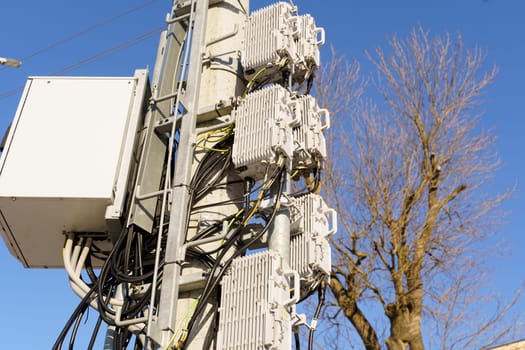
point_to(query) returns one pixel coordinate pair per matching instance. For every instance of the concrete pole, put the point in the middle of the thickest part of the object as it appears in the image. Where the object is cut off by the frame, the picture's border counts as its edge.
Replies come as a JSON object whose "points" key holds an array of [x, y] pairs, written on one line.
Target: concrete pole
{"points": [[222, 68], [220, 81], [215, 51], [279, 234]]}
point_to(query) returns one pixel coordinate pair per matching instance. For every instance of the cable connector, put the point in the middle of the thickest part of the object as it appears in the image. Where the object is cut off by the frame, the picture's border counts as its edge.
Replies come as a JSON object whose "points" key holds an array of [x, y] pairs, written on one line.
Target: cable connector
{"points": [[182, 339]]}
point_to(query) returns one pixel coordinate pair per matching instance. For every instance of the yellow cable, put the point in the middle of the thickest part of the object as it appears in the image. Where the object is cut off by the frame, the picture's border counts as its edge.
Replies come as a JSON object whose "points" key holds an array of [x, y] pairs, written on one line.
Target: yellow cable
{"points": [[252, 81], [213, 149], [184, 331], [214, 137], [267, 184], [235, 218], [259, 198], [230, 225], [281, 63]]}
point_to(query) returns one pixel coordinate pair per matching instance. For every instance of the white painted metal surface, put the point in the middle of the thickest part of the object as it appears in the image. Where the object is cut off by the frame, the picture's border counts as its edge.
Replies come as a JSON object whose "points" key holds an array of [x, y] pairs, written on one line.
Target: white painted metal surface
{"points": [[263, 130], [308, 135], [275, 39], [310, 253], [312, 214], [58, 171], [268, 36], [310, 38], [255, 305]]}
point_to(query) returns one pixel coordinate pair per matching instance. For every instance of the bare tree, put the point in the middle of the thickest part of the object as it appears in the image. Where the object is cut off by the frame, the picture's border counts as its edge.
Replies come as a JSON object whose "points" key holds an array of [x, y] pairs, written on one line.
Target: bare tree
{"points": [[407, 182]]}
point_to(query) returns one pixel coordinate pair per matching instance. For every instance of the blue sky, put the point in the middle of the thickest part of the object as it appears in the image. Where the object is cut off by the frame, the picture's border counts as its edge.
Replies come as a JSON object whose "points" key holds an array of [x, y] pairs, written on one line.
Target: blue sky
{"points": [[36, 303]]}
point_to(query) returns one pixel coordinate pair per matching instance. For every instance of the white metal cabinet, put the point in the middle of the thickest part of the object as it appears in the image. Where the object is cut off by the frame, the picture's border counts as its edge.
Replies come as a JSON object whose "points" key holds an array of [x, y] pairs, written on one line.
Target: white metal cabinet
{"points": [[66, 161]]}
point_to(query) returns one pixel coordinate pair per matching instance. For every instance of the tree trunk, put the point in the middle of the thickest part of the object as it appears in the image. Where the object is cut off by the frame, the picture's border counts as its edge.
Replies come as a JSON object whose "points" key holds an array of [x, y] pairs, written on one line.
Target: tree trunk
{"points": [[405, 326], [355, 316]]}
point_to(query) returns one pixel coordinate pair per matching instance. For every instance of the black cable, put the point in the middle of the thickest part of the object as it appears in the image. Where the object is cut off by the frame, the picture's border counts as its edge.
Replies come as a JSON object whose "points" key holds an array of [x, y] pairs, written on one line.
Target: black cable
{"points": [[210, 176], [309, 83], [208, 231], [233, 239], [97, 289], [105, 284], [79, 309], [134, 305], [94, 334], [297, 340], [207, 176], [97, 252], [212, 229], [203, 163], [122, 338], [124, 269], [214, 278], [227, 245], [200, 177], [206, 295], [127, 251], [73, 336], [89, 269], [317, 180], [210, 205], [322, 295], [119, 264], [139, 269], [312, 287], [248, 186], [201, 256], [138, 345]]}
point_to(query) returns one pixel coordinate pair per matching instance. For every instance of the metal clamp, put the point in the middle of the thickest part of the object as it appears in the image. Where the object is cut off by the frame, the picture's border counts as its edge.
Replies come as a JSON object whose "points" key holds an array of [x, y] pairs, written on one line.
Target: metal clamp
{"points": [[331, 215], [327, 122], [322, 40], [296, 296]]}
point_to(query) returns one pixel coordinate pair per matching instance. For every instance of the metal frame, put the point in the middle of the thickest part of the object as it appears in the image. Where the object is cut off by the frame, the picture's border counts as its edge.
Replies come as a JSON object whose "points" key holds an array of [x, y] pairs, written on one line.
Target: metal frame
{"points": [[165, 323]]}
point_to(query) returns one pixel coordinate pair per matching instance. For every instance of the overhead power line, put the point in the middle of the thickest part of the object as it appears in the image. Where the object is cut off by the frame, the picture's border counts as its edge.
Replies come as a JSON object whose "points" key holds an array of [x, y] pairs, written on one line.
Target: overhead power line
{"points": [[92, 59], [109, 51], [85, 31]]}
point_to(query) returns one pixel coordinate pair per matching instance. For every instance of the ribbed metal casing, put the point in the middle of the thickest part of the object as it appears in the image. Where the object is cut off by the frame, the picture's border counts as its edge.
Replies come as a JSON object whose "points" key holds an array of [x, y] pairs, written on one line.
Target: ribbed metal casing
{"points": [[263, 131], [310, 143], [310, 39], [253, 315], [311, 214], [275, 39], [311, 257], [268, 36], [312, 222]]}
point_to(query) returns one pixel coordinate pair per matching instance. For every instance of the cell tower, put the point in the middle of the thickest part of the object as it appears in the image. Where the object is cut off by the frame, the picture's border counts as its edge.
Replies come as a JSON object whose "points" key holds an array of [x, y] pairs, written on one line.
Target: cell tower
{"points": [[186, 210]]}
